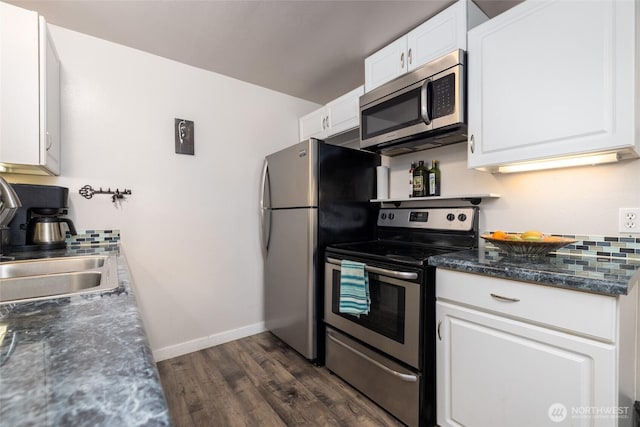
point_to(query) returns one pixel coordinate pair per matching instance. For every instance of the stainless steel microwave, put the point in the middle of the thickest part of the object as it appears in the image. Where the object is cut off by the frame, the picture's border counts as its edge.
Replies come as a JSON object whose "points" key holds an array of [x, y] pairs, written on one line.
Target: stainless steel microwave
{"points": [[423, 109]]}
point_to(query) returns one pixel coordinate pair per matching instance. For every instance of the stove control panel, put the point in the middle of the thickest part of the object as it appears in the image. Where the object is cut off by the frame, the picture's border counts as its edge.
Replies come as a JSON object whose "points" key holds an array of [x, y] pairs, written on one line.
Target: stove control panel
{"points": [[455, 219]]}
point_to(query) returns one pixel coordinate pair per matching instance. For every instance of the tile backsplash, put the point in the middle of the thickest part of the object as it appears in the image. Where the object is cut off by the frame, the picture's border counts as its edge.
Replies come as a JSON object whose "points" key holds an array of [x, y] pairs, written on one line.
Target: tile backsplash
{"points": [[602, 246], [93, 238]]}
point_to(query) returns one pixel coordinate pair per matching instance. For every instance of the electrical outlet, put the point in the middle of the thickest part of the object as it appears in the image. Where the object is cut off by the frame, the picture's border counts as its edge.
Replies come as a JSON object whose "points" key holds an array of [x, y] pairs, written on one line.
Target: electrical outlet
{"points": [[629, 220]]}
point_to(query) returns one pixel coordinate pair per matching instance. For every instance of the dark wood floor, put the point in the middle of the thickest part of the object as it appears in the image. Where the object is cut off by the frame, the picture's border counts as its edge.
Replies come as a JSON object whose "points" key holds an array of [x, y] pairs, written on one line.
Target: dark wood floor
{"points": [[260, 381]]}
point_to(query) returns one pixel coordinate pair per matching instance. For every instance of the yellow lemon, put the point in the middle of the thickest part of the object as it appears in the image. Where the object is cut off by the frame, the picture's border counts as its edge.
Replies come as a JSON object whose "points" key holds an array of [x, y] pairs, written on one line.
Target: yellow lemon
{"points": [[532, 235]]}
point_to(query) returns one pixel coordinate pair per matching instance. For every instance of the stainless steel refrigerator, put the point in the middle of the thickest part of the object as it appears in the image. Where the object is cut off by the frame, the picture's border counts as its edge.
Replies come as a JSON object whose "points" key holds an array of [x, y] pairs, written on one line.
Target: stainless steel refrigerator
{"points": [[313, 194]]}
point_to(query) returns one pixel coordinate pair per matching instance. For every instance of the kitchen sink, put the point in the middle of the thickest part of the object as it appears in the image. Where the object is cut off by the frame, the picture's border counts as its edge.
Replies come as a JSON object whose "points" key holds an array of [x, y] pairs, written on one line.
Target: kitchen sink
{"points": [[33, 280], [49, 266]]}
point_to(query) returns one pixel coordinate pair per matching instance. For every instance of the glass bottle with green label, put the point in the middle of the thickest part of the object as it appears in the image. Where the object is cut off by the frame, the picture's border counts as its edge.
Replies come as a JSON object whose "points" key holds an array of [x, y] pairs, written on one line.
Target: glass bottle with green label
{"points": [[433, 180], [420, 180], [411, 169]]}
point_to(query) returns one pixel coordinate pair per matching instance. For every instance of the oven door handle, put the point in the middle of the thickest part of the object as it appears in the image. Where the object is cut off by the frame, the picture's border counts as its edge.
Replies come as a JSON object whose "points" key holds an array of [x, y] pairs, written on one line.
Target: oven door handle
{"points": [[382, 271], [404, 377]]}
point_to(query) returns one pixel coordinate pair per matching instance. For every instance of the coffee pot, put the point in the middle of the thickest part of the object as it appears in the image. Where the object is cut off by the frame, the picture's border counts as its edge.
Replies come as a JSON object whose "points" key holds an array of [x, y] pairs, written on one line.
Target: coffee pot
{"points": [[48, 230], [39, 224]]}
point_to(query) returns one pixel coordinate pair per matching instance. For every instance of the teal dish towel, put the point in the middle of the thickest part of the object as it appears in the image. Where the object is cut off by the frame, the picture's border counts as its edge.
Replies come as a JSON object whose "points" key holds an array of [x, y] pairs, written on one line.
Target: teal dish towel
{"points": [[354, 288]]}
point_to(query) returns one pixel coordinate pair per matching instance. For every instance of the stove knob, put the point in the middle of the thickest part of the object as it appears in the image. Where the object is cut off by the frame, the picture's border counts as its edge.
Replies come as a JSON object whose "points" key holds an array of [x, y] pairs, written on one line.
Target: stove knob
{"points": [[391, 216], [462, 217], [451, 217], [383, 216]]}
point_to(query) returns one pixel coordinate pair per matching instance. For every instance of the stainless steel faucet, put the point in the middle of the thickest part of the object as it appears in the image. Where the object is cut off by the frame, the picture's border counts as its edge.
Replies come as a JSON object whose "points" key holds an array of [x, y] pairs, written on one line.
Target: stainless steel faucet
{"points": [[9, 203]]}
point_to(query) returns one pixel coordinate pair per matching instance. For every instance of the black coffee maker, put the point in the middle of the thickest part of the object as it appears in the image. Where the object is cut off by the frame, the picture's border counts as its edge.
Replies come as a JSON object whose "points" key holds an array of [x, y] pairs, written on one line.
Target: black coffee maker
{"points": [[38, 224]]}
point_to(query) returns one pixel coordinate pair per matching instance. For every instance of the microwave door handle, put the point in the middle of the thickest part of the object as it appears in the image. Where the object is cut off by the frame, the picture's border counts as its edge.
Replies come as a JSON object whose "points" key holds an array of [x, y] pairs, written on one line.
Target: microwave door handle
{"points": [[425, 100]]}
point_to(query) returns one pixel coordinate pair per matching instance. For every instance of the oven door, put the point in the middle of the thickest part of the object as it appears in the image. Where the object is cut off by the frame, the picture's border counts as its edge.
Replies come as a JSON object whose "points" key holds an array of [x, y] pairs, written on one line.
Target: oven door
{"points": [[393, 323]]}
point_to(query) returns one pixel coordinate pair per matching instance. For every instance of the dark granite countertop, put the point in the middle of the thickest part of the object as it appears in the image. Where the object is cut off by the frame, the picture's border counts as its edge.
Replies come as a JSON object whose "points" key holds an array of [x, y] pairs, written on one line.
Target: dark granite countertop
{"points": [[82, 360], [608, 276]]}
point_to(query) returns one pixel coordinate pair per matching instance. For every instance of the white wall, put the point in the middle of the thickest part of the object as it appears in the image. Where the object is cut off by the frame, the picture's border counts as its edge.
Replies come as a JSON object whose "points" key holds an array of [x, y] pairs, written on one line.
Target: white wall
{"points": [[190, 228], [581, 200]]}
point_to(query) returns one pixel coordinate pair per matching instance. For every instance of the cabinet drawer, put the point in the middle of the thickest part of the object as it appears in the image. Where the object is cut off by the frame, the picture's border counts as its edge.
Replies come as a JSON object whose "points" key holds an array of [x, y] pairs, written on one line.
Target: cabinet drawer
{"points": [[579, 312]]}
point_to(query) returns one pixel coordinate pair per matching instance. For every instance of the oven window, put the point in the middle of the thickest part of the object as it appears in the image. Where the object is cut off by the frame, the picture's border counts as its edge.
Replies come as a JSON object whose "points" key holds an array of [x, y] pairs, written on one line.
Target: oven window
{"points": [[387, 311], [396, 113]]}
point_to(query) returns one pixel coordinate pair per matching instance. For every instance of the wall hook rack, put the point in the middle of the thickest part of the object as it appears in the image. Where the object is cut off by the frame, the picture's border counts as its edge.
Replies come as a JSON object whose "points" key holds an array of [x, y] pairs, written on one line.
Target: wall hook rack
{"points": [[87, 192]]}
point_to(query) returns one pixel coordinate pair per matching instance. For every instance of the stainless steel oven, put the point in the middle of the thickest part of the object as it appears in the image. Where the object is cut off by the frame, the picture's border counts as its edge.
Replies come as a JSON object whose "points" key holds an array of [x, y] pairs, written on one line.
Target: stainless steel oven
{"points": [[394, 320], [424, 108], [389, 353]]}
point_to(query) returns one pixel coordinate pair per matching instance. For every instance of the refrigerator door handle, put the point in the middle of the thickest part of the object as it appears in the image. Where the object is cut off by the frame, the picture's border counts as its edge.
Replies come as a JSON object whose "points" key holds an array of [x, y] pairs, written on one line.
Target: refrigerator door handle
{"points": [[265, 225]]}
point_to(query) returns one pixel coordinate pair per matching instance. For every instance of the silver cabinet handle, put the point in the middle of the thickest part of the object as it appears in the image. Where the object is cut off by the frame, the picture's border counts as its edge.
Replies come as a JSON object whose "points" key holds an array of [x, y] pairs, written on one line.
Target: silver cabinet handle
{"points": [[383, 271], [402, 60], [472, 144], [439, 326], [505, 299], [409, 57], [404, 377]]}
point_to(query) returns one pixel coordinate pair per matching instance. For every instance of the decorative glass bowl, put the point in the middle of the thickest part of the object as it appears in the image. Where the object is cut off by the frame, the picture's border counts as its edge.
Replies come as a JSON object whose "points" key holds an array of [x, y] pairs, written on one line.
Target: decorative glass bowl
{"points": [[529, 248]]}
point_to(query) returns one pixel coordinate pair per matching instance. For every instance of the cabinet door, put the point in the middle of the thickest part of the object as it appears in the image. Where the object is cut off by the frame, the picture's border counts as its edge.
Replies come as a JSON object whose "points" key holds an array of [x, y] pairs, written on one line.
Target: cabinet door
{"points": [[545, 84], [19, 91], [313, 125], [442, 34], [495, 371], [344, 112], [50, 102], [386, 64]]}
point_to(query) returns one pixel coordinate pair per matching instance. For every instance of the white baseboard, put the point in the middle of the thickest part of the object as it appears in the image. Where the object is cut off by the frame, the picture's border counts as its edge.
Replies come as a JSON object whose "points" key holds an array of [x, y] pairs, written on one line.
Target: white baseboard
{"points": [[205, 342]]}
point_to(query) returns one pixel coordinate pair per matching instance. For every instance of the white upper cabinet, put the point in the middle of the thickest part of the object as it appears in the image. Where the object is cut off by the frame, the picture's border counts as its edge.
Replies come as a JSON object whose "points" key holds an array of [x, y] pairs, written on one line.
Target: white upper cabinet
{"points": [[552, 79], [29, 94], [338, 116], [386, 64], [313, 125], [444, 33]]}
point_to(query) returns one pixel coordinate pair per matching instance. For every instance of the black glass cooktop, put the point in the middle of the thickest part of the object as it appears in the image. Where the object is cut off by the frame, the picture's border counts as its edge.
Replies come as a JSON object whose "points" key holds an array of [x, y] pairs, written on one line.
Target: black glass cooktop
{"points": [[391, 251]]}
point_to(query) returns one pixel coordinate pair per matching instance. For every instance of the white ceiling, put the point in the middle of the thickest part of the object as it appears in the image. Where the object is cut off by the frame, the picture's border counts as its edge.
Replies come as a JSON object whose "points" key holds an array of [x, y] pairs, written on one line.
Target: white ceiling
{"points": [[311, 49]]}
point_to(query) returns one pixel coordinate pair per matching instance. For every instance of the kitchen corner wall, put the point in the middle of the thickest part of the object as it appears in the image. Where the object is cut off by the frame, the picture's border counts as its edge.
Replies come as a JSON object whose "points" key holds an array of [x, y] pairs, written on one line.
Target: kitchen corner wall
{"points": [[190, 228]]}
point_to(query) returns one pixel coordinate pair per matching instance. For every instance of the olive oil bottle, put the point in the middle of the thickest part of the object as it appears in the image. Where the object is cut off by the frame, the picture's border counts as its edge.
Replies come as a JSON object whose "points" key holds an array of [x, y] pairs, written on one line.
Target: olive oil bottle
{"points": [[420, 180], [433, 180], [411, 169]]}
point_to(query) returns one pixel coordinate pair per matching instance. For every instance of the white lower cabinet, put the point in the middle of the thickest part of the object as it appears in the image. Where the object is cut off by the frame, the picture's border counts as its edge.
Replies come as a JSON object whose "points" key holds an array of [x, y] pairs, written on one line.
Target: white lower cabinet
{"points": [[498, 366]]}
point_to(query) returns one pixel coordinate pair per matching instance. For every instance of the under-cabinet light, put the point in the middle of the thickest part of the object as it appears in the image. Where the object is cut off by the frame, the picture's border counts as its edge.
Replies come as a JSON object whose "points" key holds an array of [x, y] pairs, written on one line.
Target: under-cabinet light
{"points": [[565, 162]]}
